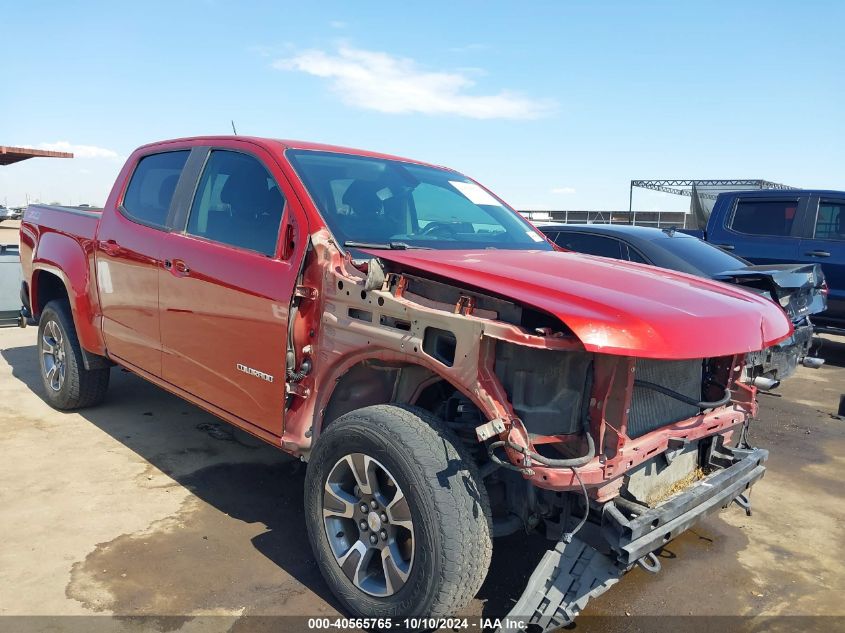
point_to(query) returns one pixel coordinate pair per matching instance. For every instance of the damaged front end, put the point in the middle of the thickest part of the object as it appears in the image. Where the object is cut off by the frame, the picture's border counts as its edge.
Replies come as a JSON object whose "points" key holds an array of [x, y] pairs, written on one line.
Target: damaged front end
{"points": [[611, 454], [577, 569], [670, 448]]}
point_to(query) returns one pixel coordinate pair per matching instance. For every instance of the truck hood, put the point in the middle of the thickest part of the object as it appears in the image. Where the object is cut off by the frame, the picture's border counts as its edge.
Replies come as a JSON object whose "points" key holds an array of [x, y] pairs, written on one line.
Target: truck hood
{"points": [[614, 307]]}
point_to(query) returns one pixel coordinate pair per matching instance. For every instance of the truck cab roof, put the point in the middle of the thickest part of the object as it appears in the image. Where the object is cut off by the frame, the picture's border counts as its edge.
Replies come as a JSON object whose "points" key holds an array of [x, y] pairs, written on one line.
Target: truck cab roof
{"points": [[768, 193], [284, 144]]}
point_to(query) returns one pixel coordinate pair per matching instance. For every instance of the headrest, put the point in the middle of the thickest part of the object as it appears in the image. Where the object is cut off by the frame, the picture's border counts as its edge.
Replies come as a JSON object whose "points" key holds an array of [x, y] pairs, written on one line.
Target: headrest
{"points": [[245, 185], [362, 196], [246, 191], [165, 191]]}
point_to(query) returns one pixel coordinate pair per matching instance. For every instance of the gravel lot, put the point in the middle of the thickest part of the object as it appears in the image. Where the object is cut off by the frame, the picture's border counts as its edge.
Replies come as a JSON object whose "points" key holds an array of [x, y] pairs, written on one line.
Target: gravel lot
{"points": [[146, 505]]}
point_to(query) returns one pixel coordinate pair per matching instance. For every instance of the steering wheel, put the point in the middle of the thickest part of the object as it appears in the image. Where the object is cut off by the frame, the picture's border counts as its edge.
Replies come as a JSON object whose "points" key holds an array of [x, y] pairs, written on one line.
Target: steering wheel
{"points": [[438, 226]]}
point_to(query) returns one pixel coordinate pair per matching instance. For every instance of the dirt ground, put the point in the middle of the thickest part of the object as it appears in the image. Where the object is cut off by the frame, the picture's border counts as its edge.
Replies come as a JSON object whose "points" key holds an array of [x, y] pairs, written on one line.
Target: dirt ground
{"points": [[147, 506]]}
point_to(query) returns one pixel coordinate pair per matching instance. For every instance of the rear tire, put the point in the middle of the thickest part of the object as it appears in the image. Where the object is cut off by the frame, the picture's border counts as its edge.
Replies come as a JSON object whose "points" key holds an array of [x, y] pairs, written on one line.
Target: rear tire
{"points": [[67, 384], [436, 509]]}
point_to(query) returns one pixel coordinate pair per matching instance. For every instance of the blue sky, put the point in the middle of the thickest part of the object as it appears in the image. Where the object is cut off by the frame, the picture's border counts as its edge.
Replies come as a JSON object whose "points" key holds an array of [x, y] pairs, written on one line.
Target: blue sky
{"points": [[550, 104]]}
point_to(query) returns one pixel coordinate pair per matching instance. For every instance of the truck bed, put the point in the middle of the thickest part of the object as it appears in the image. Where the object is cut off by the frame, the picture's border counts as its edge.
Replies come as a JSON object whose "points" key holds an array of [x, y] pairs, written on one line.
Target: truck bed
{"points": [[79, 222], [60, 241]]}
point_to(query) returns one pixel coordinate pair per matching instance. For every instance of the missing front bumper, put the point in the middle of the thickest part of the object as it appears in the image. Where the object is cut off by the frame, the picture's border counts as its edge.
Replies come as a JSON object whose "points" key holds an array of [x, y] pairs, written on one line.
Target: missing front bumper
{"points": [[633, 538], [571, 574]]}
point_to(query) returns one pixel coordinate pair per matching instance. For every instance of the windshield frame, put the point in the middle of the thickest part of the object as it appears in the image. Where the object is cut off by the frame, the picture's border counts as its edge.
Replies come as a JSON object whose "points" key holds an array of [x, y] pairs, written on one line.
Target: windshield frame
{"points": [[291, 155]]}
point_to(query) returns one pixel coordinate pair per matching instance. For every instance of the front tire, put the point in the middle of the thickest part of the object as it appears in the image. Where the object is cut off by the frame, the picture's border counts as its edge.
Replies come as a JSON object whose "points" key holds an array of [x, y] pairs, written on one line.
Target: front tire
{"points": [[67, 384], [397, 515]]}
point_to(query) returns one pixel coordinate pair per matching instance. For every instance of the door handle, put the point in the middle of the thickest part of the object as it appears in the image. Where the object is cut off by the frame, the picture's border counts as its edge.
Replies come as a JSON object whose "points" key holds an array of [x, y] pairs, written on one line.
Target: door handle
{"points": [[110, 247], [177, 266], [817, 253], [726, 247]]}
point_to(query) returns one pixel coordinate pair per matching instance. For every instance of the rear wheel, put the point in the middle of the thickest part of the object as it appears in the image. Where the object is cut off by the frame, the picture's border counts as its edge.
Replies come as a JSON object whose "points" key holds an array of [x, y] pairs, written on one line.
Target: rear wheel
{"points": [[67, 384], [396, 514]]}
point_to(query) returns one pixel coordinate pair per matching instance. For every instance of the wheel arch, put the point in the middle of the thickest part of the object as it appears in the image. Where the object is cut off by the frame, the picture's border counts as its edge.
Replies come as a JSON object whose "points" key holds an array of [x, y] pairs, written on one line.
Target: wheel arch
{"points": [[63, 264], [49, 284], [382, 379]]}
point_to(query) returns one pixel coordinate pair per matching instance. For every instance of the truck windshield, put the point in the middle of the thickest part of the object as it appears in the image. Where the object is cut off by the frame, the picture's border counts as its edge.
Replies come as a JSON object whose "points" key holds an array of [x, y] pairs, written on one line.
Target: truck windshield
{"points": [[381, 203]]}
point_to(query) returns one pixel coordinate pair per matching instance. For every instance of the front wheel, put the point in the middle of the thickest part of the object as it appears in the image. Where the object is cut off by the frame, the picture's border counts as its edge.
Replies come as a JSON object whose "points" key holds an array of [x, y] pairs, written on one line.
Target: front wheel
{"points": [[68, 385], [397, 516]]}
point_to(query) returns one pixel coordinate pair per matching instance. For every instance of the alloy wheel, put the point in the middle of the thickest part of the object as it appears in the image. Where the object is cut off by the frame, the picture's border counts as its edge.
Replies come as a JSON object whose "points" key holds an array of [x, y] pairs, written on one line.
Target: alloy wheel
{"points": [[368, 524], [53, 356]]}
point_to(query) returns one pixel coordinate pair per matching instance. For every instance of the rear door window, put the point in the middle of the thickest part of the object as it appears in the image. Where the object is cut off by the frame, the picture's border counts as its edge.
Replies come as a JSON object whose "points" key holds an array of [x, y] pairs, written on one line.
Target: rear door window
{"points": [[150, 191], [590, 244], [830, 220], [764, 217]]}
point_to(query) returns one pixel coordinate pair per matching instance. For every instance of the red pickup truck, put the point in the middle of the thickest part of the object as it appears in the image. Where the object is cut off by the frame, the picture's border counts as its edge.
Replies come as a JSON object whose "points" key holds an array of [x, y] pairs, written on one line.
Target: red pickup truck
{"points": [[448, 374]]}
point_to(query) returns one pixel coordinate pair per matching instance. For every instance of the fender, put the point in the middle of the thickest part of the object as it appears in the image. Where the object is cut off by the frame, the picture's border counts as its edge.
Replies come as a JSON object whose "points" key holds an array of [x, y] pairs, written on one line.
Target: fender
{"points": [[72, 262], [304, 423]]}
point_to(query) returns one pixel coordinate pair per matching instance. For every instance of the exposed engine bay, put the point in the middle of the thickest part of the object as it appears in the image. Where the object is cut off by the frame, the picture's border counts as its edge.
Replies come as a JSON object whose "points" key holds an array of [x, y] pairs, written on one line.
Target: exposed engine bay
{"points": [[608, 412]]}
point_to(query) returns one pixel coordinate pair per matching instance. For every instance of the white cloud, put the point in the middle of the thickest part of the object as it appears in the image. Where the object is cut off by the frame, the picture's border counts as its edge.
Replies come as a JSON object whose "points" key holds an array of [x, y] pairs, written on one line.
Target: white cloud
{"points": [[265, 50], [471, 70], [379, 81], [563, 190], [338, 24], [79, 151], [262, 50], [468, 48]]}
